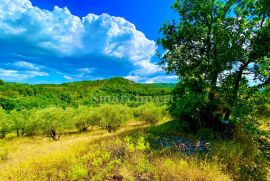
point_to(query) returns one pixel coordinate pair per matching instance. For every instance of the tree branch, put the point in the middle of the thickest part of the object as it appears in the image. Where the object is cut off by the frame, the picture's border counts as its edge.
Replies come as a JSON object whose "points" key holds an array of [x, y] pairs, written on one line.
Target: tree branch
{"points": [[265, 83]]}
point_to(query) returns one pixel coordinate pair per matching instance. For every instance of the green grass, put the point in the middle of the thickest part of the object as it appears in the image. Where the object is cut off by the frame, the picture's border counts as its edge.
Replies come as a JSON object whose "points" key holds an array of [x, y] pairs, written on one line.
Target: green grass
{"points": [[168, 128]]}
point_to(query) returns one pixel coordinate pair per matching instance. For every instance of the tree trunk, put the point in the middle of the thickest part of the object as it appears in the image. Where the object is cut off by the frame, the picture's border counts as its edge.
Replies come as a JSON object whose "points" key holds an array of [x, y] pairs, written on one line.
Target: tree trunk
{"points": [[238, 79], [2, 134], [53, 134], [109, 128]]}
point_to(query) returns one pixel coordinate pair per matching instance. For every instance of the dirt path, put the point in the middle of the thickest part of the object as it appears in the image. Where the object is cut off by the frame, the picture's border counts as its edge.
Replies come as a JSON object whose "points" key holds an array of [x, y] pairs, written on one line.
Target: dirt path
{"points": [[24, 149]]}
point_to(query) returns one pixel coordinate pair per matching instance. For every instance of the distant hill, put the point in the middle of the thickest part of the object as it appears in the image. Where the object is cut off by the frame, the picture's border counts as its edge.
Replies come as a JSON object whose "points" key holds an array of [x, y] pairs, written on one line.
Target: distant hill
{"points": [[20, 96]]}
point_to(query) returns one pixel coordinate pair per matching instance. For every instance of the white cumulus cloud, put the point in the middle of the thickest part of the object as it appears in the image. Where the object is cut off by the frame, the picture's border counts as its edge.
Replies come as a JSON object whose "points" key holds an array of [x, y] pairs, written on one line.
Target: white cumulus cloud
{"points": [[64, 34], [63, 42]]}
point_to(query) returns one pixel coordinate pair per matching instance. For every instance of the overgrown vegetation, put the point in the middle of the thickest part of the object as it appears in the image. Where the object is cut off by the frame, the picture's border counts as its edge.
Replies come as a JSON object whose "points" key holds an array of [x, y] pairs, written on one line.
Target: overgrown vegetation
{"points": [[117, 129]]}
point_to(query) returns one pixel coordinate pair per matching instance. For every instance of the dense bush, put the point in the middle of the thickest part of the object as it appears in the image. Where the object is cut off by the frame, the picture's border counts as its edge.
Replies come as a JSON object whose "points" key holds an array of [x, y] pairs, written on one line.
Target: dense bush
{"points": [[150, 113], [113, 116], [84, 117], [190, 107]]}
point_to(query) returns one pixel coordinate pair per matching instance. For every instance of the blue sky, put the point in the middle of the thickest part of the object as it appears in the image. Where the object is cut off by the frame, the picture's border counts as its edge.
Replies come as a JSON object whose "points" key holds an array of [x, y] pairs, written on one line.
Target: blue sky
{"points": [[55, 41]]}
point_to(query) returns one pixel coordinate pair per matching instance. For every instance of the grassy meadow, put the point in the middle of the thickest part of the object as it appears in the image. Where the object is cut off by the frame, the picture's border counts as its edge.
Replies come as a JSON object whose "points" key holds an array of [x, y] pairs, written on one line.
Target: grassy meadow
{"points": [[99, 155], [129, 140], [132, 152]]}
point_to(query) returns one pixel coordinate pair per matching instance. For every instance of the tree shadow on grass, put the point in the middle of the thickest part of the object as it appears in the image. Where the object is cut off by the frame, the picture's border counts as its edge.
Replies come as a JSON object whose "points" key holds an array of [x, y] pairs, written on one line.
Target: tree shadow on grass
{"points": [[172, 135]]}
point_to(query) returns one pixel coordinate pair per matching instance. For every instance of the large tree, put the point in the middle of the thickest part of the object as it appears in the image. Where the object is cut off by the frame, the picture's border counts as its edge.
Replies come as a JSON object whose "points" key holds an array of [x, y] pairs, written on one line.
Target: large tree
{"points": [[220, 49]]}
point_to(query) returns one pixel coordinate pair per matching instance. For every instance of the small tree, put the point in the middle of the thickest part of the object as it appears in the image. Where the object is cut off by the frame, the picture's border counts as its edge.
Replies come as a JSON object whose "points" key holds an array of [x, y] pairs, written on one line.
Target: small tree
{"points": [[5, 123], [85, 117], [24, 121], [113, 116], [19, 121], [53, 122], [33, 122], [150, 113]]}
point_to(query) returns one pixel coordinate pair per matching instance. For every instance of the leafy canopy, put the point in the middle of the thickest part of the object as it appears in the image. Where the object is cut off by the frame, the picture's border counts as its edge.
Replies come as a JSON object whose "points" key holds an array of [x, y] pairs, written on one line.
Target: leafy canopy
{"points": [[220, 50]]}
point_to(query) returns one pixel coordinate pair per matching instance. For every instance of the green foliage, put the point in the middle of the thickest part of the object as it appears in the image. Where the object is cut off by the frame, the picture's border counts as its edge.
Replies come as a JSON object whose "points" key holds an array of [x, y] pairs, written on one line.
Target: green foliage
{"points": [[117, 90], [191, 107], [136, 144], [53, 122], [20, 119], [217, 49], [78, 172], [37, 109], [113, 116], [56, 121], [32, 122], [2, 82], [243, 160], [84, 117], [150, 113], [102, 164], [5, 123]]}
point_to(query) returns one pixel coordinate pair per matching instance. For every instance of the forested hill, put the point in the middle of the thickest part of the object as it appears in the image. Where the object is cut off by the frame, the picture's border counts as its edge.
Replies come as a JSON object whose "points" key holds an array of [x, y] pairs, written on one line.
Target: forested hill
{"points": [[21, 96]]}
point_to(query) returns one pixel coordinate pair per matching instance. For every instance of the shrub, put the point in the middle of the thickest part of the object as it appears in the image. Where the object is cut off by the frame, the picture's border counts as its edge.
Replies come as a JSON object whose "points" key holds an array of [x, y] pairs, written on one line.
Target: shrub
{"points": [[191, 108], [100, 164], [113, 116], [2, 82], [150, 113], [84, 117], [5, 123], [78, 172]]}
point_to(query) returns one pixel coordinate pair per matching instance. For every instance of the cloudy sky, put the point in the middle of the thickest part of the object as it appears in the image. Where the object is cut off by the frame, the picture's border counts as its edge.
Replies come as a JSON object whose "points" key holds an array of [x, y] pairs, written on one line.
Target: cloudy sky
{"points": [[55, 41]]}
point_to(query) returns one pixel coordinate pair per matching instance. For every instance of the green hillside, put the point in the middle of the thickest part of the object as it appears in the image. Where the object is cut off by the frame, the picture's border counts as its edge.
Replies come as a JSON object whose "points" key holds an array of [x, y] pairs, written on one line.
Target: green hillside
{"points": [[20, 96]]}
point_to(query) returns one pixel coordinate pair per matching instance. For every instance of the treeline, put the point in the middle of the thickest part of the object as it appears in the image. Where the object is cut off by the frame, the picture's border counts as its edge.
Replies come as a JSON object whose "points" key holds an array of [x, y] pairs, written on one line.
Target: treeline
{"points": [[56, 121], [15, 96]]}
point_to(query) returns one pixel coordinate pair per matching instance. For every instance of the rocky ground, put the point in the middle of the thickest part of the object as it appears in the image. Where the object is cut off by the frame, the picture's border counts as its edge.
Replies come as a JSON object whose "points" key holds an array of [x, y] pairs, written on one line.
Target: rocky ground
{"points": [[184, 145]]}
